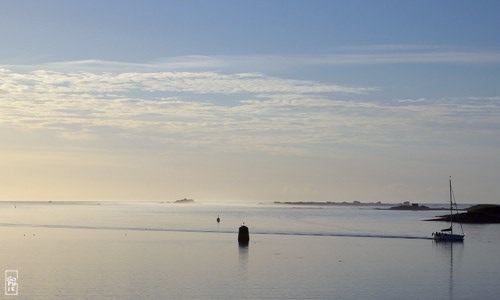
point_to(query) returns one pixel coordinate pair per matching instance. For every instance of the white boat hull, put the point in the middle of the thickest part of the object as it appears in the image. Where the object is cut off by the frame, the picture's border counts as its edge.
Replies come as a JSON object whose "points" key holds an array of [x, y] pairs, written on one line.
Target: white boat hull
{"points": [[446, 235]]}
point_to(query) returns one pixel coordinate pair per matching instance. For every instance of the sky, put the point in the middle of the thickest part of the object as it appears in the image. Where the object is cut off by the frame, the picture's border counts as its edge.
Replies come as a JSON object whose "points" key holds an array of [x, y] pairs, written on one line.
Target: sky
{"points": [[250, 101]]}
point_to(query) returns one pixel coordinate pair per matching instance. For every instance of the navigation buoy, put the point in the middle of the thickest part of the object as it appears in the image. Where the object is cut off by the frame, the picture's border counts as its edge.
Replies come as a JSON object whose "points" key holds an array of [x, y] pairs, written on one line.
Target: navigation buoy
{"points": [[243, 235]]}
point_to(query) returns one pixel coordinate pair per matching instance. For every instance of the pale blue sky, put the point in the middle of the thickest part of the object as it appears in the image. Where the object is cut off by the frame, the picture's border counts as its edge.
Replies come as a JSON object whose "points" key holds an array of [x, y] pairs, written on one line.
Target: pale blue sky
{"points": [[147, 30], [250, 100]]}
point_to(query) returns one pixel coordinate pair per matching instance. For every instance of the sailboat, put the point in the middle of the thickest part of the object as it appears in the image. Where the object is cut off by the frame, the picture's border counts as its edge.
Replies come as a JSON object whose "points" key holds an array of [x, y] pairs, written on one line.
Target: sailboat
{"points": [[447, 235]]}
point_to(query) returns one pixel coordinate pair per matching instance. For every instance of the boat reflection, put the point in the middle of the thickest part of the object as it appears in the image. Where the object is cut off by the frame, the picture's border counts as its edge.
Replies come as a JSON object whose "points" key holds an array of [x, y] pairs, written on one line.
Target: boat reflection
{"points": [[452, 252]]}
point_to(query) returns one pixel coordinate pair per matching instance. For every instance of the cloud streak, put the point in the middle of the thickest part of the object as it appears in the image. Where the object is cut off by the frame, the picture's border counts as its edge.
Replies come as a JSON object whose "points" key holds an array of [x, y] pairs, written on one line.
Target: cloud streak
{"points": [[360, 55], [347, 55]]}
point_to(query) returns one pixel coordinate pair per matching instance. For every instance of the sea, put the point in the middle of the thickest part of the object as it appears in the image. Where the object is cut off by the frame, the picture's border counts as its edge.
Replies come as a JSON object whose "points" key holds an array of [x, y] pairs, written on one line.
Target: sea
{"points": [[155, 250]]}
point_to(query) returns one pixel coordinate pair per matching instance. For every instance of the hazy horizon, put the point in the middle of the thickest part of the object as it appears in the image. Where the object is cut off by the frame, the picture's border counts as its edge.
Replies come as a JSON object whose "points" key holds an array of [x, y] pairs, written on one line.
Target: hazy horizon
{"points": [[250, 101]]}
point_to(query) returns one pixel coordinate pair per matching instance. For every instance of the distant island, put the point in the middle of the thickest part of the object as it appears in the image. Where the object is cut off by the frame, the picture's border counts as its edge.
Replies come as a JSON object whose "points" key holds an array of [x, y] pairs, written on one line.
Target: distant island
{"points": [[476, 214], [413, 206], [185, 200]]}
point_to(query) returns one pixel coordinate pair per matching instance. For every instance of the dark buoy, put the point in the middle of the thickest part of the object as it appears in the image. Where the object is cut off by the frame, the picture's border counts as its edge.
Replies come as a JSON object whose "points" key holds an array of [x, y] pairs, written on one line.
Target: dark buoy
{"points": [[243, 235], [218, 219]]}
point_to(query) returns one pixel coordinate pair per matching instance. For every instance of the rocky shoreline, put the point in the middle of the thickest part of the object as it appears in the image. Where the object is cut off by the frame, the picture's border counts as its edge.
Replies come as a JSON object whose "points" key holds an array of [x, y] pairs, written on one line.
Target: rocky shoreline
{"points": [[477, 214]]}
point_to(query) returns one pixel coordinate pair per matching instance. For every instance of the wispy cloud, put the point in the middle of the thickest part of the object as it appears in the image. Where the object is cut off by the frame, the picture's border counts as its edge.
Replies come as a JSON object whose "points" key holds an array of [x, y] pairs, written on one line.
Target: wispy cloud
{"points": [[195, 82], [268, 114]]}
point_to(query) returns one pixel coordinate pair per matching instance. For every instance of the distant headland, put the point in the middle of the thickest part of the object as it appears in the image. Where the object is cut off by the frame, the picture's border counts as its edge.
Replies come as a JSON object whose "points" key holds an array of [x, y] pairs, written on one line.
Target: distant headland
{"points": [[376, 205], [327, 203], [476, 214]]}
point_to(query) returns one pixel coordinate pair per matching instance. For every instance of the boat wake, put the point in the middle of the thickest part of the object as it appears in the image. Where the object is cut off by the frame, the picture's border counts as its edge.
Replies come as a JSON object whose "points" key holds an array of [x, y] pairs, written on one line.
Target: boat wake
{"points": [[340, 234], [270, 232]]}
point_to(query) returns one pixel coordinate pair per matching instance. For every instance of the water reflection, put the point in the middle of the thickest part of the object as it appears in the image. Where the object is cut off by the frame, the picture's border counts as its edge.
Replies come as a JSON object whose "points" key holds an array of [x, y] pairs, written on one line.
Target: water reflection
{"points": [[243, 262], [449, 251], [243, 255]]}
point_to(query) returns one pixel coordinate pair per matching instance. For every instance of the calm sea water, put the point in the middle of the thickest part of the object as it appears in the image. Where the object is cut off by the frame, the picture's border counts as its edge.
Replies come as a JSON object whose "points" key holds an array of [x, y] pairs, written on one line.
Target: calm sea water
{"points": [[172, 251]]}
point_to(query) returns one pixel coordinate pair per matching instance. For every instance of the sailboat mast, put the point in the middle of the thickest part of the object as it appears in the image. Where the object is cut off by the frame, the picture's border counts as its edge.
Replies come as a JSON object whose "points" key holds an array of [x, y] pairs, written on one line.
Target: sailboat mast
{"points": [[451, 209]]}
